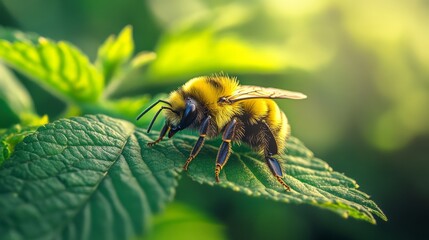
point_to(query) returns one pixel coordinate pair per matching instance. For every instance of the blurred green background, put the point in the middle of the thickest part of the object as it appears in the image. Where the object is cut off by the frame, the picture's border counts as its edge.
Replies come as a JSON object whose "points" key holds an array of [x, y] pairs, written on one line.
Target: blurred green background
{"points": [[364, 66]]}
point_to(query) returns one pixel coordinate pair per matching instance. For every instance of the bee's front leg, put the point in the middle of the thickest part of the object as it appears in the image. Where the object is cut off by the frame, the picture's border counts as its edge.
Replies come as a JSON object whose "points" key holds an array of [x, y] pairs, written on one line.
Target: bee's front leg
{"points": [[225, 148], [162, 133], [200, 142]]}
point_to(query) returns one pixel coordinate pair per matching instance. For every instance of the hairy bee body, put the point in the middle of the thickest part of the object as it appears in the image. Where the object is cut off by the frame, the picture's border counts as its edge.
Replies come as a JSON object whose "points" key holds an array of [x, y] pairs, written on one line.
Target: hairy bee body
{"points": [[218, 105], [253, 115]]}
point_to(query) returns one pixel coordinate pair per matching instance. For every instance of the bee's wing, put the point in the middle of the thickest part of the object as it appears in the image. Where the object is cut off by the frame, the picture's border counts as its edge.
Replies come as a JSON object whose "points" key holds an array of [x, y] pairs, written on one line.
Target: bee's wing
{"points": [[250, 92]]}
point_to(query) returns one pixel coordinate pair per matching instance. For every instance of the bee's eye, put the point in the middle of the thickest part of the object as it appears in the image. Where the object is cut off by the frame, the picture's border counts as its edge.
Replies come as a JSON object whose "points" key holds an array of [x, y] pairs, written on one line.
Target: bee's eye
{"points": [[223, 100], [189, 114]]}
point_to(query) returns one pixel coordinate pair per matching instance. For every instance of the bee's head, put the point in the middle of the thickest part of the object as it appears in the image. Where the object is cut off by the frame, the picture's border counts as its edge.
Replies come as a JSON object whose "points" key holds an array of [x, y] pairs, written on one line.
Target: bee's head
{"points": [[188, 116], [179, 119]]}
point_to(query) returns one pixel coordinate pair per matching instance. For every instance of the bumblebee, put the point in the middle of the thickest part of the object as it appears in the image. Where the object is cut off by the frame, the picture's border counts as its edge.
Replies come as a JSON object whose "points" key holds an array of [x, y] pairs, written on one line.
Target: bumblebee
{"points": [[218, 105]]}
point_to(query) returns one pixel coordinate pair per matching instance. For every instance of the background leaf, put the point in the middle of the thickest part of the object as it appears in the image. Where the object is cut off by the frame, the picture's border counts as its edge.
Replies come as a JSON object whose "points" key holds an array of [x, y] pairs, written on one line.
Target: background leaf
{"points": [[114, 61], [132, 75], [196, 44], [84, 178], [114, 52], [211, 52], [13, 35], [9, 138], [13, 97], [58, 66], [126, 108], [184, 223]]}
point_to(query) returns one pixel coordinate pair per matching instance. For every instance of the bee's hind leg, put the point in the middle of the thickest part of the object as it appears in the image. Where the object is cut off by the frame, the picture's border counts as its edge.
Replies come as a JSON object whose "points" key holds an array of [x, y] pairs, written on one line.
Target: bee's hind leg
{"points": [[271, 149], [276, 169], [162, 133], [200, 142], [225, 148]]}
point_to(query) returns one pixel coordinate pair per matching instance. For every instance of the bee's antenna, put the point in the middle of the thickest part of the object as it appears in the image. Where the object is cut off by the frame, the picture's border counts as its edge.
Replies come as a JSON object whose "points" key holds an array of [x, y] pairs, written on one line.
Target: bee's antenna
{"points": [[150, 107], [156, 115]]}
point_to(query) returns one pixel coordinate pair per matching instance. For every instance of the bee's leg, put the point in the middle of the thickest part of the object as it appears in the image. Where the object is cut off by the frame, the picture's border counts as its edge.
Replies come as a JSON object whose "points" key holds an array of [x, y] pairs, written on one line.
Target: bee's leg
{"points": [[162, 133], [200, 142], [270, 150], [276, 169], [225, 147]]}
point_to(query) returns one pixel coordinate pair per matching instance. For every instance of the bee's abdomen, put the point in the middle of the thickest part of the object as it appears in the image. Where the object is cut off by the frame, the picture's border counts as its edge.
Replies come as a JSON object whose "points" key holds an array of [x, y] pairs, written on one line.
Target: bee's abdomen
{"points": [[264, 125]]}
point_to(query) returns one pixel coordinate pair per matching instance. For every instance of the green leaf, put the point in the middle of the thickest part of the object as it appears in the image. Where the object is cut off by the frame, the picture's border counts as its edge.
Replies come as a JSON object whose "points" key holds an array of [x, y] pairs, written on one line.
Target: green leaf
{"points": [[184, 223], [132, 75], [114, 62], [14, 135], [94, 178], [142, 58], [58, 66], [312, 181], [212, 52], [115, 52], [13, 35], [197, 44], [84, 178], [13, 96]]}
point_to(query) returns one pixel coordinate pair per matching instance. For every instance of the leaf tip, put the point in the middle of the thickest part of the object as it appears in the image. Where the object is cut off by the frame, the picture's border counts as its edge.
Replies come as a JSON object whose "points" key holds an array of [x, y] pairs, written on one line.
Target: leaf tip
{"points": [[128, 29], [43, 41], [345, 214], [142, 59]]}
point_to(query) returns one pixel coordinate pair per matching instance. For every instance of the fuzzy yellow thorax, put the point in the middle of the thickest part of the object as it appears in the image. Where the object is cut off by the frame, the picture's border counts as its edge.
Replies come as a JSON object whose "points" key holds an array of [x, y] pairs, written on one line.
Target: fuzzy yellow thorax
{"points": [[206, 91]]}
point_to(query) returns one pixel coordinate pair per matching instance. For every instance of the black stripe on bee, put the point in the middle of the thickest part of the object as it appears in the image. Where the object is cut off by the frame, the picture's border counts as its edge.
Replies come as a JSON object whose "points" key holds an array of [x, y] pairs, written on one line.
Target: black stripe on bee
{"points": [[215, 84]]}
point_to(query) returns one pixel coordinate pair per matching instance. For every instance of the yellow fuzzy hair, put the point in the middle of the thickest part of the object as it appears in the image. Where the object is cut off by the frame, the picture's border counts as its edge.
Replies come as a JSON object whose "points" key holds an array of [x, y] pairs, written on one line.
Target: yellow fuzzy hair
{"points": [[207, 91]]}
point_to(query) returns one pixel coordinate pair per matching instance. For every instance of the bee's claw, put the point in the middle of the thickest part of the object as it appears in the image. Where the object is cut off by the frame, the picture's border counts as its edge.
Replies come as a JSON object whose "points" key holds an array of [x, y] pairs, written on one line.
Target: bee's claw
{"points": [[280, 180], [185, 166], [217, 172]]}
